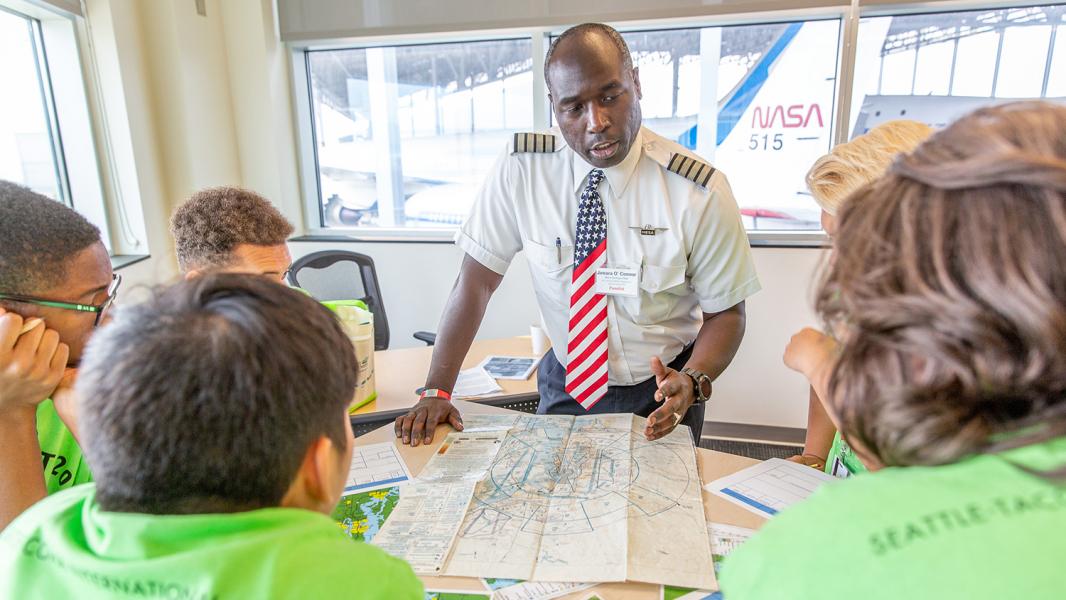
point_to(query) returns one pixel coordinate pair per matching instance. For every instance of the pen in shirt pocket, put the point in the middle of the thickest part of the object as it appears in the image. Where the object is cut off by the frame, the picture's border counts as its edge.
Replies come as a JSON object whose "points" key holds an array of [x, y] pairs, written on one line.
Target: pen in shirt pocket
{"points": [[559, 251]]}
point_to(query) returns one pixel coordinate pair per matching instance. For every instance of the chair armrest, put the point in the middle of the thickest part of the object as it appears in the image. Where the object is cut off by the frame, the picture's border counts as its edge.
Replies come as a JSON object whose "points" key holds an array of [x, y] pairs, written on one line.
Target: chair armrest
{"points": [[425, 336]]}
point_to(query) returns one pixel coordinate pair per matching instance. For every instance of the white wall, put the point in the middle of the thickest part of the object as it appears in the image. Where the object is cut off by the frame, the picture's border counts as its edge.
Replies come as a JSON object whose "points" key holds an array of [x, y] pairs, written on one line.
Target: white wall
{"points": [[260, 91], [126, 137], [190, 83], [757, 388], [185, 102]]}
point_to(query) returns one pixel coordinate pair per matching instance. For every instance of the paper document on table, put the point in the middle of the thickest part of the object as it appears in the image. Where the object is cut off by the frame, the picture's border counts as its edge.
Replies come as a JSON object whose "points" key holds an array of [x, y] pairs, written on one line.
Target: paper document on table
{"points": [[726, 538], [587, 525], [509, 367], [475, 382], [538, 590], [587, 499], [422, 527], [769, 487], [665, 496], [501, 534], [443, 594], [375, 466], [556, 498], [463, 455], [477, 423]]}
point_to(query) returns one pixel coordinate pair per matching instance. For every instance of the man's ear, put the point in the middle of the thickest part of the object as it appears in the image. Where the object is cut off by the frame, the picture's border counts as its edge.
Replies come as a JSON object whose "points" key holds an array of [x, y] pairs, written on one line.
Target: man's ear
{"points": [[192, 274], [636, 82], [310, 489]]}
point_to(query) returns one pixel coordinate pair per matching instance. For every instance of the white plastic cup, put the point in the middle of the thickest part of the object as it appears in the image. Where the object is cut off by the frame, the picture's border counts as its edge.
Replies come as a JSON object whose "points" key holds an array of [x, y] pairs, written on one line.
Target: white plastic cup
{"points": [[539, 340]]}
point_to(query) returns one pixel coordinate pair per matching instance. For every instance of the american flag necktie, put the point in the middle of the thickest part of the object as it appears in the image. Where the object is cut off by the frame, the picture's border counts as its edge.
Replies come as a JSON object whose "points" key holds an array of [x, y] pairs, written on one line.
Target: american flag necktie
{"points": [[586, 364]]}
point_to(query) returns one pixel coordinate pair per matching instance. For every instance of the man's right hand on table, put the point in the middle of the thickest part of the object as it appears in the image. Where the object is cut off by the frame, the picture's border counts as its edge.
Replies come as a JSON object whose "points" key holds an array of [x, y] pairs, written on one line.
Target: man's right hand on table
{"points": [[417, 426]]}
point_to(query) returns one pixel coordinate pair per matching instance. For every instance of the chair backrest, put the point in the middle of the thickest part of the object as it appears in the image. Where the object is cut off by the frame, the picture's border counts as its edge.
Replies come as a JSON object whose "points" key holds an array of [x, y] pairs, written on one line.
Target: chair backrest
{"points": [[343, 275]]}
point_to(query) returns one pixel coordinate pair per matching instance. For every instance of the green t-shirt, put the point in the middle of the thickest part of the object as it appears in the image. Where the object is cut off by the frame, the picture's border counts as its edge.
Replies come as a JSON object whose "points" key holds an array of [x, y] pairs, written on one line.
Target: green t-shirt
{"points": [[842, 461], [981, 528], [66, 546], [64, 466]]}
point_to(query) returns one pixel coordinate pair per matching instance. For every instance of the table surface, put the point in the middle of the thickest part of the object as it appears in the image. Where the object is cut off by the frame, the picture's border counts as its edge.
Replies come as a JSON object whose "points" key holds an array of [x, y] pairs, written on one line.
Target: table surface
{"points": [[712, 465], [398, 373]]}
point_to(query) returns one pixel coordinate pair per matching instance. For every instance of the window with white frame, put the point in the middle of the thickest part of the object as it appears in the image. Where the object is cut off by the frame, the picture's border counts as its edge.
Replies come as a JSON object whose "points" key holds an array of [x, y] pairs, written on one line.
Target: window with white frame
{"points": [[46, 135], [404, 134], [936, 67], [752, 100], [30, 153]]}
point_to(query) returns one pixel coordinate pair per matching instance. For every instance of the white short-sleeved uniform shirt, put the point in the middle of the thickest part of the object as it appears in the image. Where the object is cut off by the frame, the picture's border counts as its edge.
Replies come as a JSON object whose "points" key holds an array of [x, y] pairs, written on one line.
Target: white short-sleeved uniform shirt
{"points": [[698, 259]]}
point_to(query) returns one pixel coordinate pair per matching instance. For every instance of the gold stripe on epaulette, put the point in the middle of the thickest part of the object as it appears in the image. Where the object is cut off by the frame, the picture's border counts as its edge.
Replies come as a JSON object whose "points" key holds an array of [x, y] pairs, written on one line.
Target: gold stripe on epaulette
{"points": [[694, 170], [543, 143]]}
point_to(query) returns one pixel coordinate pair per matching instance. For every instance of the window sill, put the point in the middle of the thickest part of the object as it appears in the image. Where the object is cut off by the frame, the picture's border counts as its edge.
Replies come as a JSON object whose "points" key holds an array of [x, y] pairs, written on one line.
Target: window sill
{"points": [[121, 261], [757, 239], [359, 238], [788, 239]]}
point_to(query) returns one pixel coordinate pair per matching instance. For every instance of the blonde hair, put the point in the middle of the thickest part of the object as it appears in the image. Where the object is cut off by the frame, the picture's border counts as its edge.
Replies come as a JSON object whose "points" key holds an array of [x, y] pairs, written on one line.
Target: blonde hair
{"points": [[853, 164]]}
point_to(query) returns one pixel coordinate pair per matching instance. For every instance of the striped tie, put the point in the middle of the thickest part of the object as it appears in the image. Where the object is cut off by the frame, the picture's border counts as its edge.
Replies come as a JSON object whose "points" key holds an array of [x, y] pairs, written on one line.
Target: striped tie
{"points": [[586, 364]]}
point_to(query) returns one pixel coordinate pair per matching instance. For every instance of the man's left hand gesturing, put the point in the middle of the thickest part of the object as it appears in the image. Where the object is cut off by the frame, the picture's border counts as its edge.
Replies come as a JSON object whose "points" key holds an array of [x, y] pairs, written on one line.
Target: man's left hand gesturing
{"points": [[676, 393]]}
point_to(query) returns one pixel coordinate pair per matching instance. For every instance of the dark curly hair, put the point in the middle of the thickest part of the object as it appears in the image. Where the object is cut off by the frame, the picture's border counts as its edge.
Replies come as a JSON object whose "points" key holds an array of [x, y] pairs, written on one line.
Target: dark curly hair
{"points": [[38, 236], [214, 221], [948, 293]]}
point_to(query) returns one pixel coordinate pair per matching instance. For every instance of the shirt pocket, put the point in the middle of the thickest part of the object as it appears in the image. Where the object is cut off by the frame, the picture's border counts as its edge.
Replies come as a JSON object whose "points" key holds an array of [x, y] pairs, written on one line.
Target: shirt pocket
{"points": [[550, 268], [661, 288]]}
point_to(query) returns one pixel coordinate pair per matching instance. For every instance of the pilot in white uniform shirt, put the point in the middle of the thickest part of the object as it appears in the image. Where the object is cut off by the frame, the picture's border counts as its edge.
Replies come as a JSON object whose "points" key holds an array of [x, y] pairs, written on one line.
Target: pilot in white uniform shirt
{"points": [[671, 219]]}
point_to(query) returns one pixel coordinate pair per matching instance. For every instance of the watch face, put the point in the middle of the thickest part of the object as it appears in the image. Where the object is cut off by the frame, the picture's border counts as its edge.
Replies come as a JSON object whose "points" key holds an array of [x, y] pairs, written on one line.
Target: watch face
{"points": [[701, 384], [704, 383]]}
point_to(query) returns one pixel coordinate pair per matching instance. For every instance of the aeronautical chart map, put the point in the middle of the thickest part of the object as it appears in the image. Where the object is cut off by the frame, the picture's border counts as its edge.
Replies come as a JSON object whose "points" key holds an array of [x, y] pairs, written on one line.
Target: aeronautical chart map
{"points": [[557, 498]]}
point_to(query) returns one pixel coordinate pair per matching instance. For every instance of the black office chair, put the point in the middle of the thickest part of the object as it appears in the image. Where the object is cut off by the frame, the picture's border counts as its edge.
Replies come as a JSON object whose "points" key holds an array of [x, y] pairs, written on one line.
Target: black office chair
{"points": [[344, 275]]}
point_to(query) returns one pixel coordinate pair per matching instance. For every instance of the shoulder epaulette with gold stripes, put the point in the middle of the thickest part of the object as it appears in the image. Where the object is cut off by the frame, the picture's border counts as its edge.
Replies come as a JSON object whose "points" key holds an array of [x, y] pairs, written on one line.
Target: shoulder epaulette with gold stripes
{"points": [[544, 143], [690, 168]]}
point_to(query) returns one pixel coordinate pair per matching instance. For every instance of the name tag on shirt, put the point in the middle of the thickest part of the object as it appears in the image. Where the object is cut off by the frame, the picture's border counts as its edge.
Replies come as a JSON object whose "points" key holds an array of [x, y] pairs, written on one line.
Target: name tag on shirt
{"points": [[839, 470], [617, 281]]}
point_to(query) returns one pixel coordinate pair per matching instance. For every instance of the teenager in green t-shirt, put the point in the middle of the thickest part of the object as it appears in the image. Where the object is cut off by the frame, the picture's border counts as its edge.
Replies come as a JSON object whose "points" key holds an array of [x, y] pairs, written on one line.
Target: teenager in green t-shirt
{"points": [[831, 180], [50, 253], [948, 294], [56, 284], [215, 417]]}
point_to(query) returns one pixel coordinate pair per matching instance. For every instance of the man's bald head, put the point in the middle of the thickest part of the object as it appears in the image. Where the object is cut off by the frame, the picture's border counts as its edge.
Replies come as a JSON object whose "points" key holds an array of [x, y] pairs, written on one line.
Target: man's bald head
{"points": [[585, 34], [595, 93]]}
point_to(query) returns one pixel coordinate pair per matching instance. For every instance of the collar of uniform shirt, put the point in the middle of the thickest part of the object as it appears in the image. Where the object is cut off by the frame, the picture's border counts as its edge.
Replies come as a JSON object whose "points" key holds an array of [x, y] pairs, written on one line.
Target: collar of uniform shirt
{"points": [[618, 176]]}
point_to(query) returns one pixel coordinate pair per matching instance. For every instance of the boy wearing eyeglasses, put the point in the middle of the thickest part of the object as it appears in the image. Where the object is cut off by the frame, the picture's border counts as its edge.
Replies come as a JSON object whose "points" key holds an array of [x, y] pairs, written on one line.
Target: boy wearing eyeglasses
{"points": [[56, 285]]}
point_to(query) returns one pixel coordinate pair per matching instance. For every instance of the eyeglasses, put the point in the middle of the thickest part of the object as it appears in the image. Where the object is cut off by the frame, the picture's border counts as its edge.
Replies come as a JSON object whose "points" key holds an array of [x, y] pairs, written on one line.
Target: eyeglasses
{"points": [[99, 309]]}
